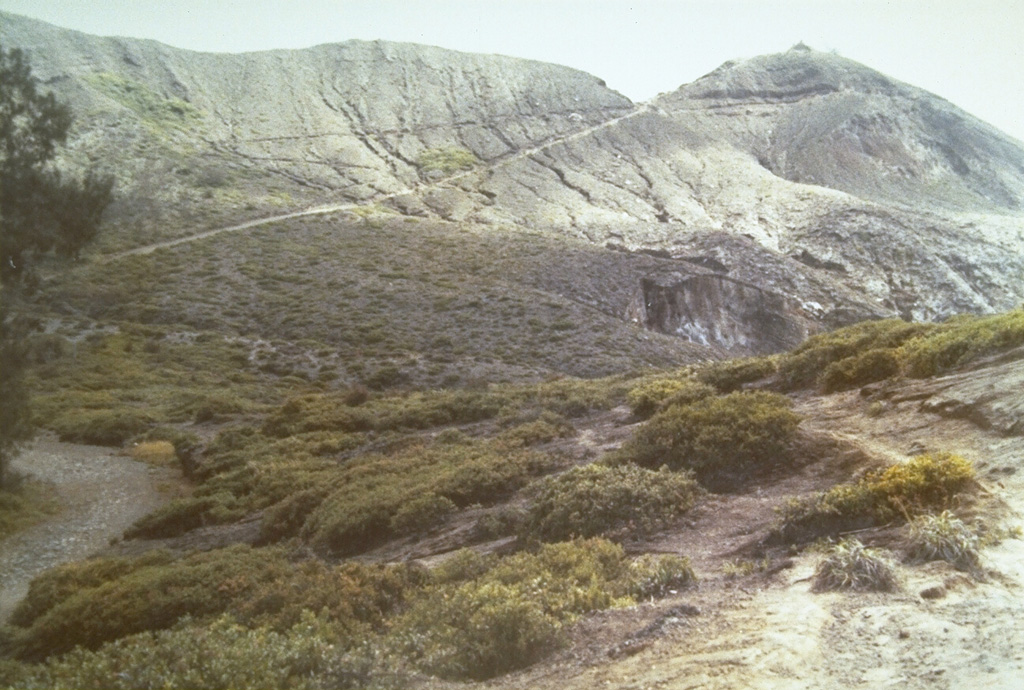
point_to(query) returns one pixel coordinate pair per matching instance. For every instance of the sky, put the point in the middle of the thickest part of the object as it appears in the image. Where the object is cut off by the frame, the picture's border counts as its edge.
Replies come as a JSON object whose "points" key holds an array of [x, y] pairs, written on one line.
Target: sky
{"points": [[970, 52]]}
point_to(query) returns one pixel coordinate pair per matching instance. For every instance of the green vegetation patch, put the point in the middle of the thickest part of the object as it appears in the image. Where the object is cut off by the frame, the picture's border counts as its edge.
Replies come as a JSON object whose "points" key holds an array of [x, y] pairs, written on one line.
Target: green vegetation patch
{"points": [[224, 654], [23, 503], [921, 485], [111, 387], [153, 108], [962, 340], [486, 616], [601, 500], [311, 625], [99, 601], [802, 367], [723, 440], [731, 374], [654, 394], [373, 495], [446, 160]]}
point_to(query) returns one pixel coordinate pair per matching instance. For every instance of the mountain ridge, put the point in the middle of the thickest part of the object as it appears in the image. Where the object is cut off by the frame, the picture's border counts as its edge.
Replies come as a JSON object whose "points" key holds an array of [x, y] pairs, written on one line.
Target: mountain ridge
{"points": [[862, 198]]}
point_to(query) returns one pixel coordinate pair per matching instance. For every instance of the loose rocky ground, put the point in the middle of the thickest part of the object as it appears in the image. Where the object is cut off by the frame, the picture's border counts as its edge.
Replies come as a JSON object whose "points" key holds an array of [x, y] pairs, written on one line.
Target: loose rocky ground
{"points": [[101, 491]]}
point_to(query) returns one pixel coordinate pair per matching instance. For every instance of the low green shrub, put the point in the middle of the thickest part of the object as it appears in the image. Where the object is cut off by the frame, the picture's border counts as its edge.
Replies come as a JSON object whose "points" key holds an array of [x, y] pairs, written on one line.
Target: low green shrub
{"points": [[421, 514], [723, 440], [479, 630], [801, 367], [106, 599], [110, 427], [601, 500], [851, 565], [24, 502], [486, 615], [546, 428], [962, 340], [446, 160], [501, 522], [730, 375], [221, 655], [874, 365], [649, 397], [656, 576], [923, 484], [184, 514], [371, 490]]}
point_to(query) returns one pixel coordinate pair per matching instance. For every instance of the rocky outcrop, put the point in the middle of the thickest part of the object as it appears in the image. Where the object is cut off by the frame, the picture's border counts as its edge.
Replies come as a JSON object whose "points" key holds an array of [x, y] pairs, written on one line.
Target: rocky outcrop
{"points": [[719, 311]]}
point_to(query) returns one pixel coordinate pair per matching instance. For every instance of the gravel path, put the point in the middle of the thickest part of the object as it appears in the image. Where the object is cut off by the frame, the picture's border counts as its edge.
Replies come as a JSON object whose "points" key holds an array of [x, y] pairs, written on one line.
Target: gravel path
{"points": [[102, 494]]}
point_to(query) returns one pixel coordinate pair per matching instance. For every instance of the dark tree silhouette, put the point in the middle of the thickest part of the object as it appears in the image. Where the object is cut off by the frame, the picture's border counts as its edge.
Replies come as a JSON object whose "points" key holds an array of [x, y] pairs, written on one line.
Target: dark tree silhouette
{"points": [[41, 211]]}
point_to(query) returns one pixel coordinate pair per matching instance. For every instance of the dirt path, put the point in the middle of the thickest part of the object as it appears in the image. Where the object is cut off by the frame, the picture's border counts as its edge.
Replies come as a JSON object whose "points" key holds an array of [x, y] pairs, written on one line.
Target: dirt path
{"points": [[335, 208], [102, 493]]}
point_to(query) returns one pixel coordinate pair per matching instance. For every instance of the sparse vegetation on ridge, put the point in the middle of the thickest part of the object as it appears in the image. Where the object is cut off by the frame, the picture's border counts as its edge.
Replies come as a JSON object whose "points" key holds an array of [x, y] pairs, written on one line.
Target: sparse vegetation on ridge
{"points": [[446, 160], [155, 110]]}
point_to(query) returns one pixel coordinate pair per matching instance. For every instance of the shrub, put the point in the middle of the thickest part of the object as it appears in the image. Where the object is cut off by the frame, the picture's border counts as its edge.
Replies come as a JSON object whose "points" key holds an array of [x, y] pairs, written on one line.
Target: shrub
{"points": [[359, 512], [421, 514], [649, 397], [501, 522], [223, 654], [24, 502], [184, 514], [446, 160], [154, 452], [656, 576], [874, 365], [801, 367], [730, 375], [480, 630], [486, 616], [548, 427], [959, 341], [599, 500], [101, 427], [723, 440], [107, 599], [944, 537], [851, 565], [186, 445], [923, 484]]}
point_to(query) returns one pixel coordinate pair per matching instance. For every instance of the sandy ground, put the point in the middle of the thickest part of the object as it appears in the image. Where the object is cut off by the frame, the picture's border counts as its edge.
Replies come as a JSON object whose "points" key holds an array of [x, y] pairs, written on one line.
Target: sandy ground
{"points": [[101, 492]]}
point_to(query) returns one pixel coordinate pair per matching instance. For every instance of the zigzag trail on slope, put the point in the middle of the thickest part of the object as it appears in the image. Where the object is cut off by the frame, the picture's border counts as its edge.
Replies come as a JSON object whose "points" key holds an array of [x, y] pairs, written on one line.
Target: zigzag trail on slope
{"points": [[336, 208]]}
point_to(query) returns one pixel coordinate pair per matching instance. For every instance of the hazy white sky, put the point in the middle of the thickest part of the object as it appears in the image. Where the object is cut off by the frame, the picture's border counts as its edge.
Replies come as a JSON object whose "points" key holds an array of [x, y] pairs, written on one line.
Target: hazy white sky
{"points": [[967, 51]]}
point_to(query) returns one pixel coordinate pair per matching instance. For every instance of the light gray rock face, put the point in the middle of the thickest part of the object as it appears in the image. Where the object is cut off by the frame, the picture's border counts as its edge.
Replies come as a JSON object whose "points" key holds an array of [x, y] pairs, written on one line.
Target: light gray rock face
{"points": [[344, 122], [831, 192]]}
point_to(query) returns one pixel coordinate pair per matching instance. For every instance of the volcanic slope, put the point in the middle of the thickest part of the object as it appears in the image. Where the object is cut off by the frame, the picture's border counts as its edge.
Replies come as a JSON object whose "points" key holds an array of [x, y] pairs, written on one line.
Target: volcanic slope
{"points": [[813, 191]]}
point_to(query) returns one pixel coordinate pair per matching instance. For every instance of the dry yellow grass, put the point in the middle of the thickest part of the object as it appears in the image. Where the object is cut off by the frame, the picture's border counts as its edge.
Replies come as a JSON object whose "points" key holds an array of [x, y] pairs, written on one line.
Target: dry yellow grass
{"points": [[154, 452]]}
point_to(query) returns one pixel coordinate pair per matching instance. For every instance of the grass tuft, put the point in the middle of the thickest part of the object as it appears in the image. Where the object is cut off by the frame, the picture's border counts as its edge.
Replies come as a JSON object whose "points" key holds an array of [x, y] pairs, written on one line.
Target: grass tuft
{"points": [[849, 565]]}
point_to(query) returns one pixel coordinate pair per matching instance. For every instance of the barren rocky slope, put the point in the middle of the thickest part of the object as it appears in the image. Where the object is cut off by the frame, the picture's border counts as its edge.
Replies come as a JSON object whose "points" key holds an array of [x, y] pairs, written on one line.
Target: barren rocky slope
{"points": [[817, 190]]}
